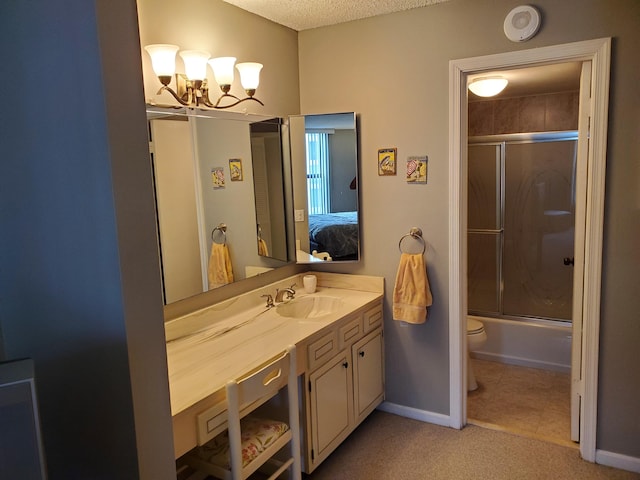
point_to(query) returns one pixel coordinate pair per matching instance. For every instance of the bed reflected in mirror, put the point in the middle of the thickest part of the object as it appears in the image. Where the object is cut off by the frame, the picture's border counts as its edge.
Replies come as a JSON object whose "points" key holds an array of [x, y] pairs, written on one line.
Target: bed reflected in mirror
{"points": [[324, 157]]}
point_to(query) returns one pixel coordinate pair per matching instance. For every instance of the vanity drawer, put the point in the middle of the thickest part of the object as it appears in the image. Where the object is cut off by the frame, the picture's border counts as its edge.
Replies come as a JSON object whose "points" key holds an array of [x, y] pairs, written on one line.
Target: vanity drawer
{"points": [[350, 332], [322, 349], [372, 318], [211, 422]]}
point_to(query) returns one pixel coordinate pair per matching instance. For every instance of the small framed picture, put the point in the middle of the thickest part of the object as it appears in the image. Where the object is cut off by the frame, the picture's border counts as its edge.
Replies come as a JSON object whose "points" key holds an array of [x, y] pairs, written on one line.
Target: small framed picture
{"points": [[235, 169], [217, 177], [387, 161], [417, 169]]}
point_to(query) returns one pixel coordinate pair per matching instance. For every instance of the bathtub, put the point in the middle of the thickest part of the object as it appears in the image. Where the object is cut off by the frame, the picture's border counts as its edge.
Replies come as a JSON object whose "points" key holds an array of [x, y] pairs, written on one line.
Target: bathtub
{"points": [[529, 343]]}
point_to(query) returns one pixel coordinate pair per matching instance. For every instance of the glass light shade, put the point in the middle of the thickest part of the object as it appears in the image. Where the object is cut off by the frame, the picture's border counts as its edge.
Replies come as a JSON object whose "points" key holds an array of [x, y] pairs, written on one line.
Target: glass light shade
{"points": [[488, 86], [195, 63], [223, 69], [249, 74], [163, 58]]}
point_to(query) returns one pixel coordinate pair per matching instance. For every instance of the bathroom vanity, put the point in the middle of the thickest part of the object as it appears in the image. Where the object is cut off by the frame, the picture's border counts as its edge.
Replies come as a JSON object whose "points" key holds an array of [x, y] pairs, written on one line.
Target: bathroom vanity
{"points": [[338, 334], [343, 379]]}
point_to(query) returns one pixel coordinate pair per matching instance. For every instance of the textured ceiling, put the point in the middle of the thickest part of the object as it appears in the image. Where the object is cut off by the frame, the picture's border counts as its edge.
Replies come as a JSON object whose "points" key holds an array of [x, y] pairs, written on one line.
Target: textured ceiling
{"points": [[305, 14]]}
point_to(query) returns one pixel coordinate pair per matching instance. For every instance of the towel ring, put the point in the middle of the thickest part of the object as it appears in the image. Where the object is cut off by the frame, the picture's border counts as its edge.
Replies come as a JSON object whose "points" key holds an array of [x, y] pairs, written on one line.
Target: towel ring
{"points": [[415, 233], [222, 228]]}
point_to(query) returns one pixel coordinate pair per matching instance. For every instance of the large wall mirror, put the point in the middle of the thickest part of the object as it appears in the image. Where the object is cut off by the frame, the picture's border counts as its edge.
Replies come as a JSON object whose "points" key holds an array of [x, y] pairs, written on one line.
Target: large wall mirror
{"points": [[220, 187], [324, 157]]}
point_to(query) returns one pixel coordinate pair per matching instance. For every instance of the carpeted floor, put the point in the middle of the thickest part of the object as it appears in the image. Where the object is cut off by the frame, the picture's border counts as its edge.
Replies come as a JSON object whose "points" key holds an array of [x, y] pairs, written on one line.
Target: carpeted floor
{"points": [[389, 447]]}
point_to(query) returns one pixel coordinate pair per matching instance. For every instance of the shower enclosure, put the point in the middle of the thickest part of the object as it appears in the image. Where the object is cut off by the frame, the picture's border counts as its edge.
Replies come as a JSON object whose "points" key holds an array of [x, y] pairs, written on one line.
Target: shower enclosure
{"points": [[521, 225]]}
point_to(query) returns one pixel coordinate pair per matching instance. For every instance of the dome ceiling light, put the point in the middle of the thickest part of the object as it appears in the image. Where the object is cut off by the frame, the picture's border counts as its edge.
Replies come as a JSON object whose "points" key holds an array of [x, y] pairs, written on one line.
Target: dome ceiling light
{"points": [[488, 86]]}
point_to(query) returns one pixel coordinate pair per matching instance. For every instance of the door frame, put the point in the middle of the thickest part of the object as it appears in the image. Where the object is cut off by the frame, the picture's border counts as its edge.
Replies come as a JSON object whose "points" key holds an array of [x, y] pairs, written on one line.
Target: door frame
{"points": [[598, 51]]}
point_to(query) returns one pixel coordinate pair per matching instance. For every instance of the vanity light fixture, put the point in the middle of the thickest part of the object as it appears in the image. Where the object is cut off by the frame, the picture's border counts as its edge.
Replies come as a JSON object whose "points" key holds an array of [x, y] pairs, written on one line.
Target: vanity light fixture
{"points": [[192, 88], [488, 86]]}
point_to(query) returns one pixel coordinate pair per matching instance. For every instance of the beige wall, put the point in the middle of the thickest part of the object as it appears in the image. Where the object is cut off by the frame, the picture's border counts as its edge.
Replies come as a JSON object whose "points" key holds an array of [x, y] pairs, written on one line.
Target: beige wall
{"points": [[223, 29], [84, 300], [299, 169], [80, 278], [393, 71], [73, 167], [234, 205], [175, 190]]}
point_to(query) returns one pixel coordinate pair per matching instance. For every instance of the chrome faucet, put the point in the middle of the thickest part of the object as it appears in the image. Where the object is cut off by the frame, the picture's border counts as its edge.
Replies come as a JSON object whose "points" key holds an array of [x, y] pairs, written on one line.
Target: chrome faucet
{"points": [[289, 292], [269, 300]]}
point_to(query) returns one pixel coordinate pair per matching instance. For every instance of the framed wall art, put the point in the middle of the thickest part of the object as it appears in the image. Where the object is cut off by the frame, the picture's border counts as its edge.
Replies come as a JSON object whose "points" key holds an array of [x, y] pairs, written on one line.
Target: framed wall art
{"points": [[417, 169], [387, 161], [235, 169], [217, 177]]}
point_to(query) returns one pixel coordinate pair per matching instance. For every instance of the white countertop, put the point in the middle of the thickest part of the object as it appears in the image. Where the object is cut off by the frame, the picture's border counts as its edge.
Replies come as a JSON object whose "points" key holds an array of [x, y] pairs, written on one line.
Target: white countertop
{"points": [[235, 340]]}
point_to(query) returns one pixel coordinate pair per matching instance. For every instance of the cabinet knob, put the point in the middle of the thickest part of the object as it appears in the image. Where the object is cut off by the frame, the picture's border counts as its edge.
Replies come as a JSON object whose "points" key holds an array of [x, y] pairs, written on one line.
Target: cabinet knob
{"points": [[361, 354], [345, 364]]}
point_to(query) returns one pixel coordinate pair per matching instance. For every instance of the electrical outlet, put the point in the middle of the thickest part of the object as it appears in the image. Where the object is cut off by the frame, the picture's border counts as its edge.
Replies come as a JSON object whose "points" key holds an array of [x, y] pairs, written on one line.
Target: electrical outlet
{"points": [[299, 215]]}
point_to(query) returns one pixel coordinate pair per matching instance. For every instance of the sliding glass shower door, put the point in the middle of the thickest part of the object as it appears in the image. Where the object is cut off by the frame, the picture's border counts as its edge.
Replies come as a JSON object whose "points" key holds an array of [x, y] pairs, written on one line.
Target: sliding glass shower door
{"points": [[485, 228], [521, 226]]}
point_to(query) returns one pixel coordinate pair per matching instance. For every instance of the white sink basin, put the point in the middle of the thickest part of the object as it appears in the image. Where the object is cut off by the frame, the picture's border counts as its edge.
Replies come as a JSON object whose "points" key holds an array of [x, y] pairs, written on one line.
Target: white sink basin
{"points": [[313, 306]]}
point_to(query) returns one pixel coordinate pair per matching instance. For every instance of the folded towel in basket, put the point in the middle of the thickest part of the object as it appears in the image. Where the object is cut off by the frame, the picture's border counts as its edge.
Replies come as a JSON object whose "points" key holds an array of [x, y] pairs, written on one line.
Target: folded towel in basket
{"points": [[411, 293]]}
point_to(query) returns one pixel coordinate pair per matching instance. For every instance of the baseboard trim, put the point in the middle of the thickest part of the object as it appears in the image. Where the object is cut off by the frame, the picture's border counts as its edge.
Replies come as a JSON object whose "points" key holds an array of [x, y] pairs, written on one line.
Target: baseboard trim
{"points": [[616, 460], [416, 414]]}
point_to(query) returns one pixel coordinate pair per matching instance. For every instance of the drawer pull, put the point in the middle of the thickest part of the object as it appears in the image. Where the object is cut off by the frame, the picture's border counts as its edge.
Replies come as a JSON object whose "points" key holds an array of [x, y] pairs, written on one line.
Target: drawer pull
{"points": [[361, 354], [345, 364]]}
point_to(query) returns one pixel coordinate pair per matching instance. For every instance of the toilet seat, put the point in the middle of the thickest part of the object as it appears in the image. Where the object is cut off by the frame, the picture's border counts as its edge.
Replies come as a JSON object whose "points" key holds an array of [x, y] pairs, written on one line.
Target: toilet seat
{"points": [[474, 327], [476, 338]]}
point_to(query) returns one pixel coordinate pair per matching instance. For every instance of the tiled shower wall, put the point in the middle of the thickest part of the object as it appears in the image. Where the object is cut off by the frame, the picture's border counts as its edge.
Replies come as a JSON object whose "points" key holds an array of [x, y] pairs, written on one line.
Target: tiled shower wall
{"points": [[536, 113]]}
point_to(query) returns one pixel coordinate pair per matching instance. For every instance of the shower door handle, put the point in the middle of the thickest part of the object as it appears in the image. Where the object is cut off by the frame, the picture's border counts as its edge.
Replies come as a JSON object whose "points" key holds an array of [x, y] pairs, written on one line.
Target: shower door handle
{"points": [[568, 261]]}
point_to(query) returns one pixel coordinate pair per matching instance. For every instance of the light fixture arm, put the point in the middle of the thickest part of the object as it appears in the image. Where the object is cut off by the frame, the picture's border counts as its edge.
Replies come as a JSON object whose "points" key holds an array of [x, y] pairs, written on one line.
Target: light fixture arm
{"points": [[237, 101], [166, 88], [190, 92]]}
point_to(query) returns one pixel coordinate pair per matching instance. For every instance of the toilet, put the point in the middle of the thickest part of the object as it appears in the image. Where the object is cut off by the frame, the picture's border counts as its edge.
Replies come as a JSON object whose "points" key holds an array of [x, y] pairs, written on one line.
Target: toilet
{"points": [[476, 338]]}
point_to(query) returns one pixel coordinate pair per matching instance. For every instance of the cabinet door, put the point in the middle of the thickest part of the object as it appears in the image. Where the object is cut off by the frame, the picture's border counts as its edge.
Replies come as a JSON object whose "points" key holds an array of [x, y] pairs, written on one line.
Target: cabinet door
{"points": [[368, 374], [331, 396]]}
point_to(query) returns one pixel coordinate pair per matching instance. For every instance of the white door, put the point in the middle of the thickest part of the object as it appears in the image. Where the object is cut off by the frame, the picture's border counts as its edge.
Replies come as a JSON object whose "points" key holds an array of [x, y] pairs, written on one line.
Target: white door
{"points": [[584, 116]]}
